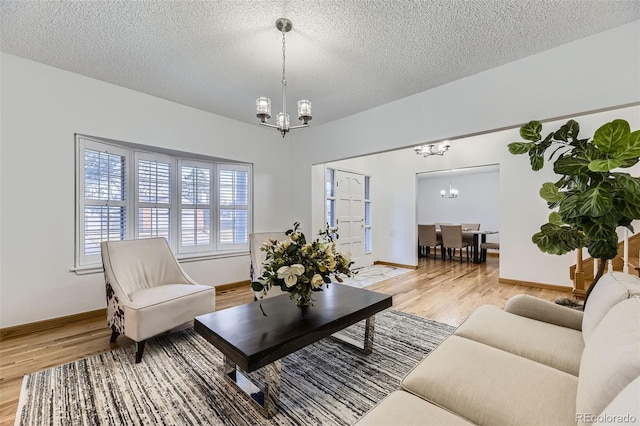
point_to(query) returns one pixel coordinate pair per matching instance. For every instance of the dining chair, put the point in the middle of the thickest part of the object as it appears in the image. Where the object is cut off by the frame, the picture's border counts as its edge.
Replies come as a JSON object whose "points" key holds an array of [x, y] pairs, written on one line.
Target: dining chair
{"points": [[466, 236], [148, 292], [452, 240], [258, 256], [427, 238]]}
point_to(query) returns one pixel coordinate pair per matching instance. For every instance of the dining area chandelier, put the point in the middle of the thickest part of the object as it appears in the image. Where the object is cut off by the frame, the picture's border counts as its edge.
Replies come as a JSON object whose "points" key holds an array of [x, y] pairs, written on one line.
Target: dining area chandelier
{"points": [[263, 104], [452, 193]]}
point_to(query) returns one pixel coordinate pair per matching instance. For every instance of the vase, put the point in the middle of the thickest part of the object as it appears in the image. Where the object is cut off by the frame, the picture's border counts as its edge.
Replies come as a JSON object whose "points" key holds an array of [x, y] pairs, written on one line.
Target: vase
{"points": [[304, 299]]}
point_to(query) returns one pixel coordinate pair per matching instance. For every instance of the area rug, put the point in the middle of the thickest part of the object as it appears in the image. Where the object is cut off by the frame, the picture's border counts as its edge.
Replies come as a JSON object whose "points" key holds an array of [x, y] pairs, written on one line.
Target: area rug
{"points": [[369, 275], [178, 381]]}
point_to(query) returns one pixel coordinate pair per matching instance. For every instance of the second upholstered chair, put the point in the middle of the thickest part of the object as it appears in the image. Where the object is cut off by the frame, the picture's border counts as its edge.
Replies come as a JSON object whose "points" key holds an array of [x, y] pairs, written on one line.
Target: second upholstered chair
{"points": [[452, 240], [428, 238]]}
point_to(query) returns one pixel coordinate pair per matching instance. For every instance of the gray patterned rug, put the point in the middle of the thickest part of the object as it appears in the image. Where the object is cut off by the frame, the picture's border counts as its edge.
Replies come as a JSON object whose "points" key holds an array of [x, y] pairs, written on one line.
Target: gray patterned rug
{"points": [[178, 381]]}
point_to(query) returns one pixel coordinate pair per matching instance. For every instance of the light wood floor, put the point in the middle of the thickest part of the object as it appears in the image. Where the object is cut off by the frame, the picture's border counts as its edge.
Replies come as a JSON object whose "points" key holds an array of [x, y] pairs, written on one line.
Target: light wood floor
{"points": [[446, 291]]}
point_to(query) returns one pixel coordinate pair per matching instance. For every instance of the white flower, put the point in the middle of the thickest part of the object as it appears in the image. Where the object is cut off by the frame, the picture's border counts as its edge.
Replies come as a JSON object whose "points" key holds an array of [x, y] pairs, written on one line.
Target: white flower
{"points": [[317, 281], [290, 274], [347, 257]]}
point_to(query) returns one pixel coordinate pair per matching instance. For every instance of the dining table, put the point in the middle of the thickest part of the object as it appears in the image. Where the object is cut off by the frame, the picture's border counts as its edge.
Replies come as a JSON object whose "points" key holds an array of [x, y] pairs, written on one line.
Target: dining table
{"points": [[479, 237]]}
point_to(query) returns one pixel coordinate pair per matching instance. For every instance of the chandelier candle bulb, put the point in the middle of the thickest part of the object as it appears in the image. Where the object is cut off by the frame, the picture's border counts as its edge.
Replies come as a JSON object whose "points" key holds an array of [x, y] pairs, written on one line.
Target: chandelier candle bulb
{"points": [[282, 120], [304, 110], [263, 108]]}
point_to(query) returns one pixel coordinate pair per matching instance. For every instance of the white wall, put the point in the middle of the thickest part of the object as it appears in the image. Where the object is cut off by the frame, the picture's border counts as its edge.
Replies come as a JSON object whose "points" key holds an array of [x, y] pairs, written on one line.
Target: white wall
{"points": [[521, 210], [504, 97], [42, 107], [478, 200]]}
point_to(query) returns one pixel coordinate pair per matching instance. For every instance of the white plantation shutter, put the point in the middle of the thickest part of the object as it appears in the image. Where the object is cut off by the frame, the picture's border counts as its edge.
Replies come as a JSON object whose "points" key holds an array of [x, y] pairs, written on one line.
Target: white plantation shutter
{"points": [[195, 206], [233, 205], [103, 198], [124, 191], [153, 201]]}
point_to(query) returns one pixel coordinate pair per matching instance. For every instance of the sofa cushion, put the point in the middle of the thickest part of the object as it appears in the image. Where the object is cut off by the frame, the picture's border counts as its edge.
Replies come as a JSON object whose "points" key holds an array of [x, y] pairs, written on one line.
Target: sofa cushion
{"points": [[611, 289], [486, 385], [625, 408], [611, 358], [151, 309], [403, 408], [545, 311], [557, 347]]}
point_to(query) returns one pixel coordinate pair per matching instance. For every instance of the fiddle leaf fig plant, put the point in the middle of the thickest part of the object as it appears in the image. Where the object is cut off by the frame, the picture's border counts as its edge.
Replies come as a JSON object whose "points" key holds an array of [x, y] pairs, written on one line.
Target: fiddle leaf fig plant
{"points": [[590, 200]]}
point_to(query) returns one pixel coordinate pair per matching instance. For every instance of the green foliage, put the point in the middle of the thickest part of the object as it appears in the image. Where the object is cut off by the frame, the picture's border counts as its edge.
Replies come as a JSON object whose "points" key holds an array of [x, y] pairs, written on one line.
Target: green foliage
{"points": [[591, 200], [300, 267]]}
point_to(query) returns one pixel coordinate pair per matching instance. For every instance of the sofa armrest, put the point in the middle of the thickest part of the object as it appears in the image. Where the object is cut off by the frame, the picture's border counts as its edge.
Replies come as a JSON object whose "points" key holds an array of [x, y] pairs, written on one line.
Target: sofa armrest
{"points": [[543, 310]]}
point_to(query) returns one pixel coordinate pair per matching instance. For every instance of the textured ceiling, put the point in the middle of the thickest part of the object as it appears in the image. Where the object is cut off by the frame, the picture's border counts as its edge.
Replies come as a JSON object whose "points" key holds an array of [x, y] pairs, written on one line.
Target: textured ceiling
{"points": [[346, 55]]}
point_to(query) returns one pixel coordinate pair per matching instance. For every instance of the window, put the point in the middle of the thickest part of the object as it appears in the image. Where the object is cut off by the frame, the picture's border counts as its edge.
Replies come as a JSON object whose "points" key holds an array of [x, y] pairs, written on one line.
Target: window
{"points": [[233, 209], [195, 206], [330, 198], [367, 215], [129, 191]]}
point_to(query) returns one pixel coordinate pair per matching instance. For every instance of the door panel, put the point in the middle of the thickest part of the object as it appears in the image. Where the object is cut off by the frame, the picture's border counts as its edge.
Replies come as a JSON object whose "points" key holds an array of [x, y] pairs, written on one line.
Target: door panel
{"points": [[349, 193]]}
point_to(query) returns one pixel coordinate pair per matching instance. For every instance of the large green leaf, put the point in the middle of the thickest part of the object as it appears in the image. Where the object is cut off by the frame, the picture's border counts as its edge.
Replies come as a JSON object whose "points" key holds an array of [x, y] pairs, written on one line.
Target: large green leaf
{"points": [[536, 159], [555, 219], [531, 131], [631, 187], [569, 209], [556, 239], [604, 248], [595, 202], [517, 148], [549, 192], [609, 137], [257, 286], [605, 165], [630, 147], [570, 166], [567, 131]]}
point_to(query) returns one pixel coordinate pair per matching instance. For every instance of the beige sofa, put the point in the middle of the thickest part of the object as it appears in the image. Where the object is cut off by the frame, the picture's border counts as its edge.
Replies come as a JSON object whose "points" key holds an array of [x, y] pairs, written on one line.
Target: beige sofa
{"points": [[534, 363]]}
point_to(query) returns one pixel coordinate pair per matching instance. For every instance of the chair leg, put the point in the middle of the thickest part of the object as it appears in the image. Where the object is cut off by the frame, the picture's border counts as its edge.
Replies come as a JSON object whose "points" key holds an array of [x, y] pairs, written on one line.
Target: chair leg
{"points": [[139, 351], [114, 336]]}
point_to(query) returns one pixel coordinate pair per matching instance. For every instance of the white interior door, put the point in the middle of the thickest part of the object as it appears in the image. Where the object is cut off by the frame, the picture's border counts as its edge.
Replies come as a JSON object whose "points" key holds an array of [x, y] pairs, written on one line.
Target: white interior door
{"points": [[349, 195]]}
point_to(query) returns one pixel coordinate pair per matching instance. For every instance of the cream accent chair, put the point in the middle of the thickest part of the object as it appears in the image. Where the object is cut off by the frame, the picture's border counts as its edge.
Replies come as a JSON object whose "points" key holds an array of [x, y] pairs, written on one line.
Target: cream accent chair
{"points": [[148, 293], [256, 240]]}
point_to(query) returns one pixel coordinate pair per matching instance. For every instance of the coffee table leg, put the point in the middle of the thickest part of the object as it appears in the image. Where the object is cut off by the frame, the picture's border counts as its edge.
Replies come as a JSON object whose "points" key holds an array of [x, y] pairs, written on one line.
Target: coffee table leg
{"points": [[369, 329], [266, 401]]}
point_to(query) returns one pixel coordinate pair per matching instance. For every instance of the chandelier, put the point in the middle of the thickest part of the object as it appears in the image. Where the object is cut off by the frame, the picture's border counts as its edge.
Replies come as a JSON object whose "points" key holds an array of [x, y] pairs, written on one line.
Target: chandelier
{"points": [[453, 193], [432, 149], [263, 105]]}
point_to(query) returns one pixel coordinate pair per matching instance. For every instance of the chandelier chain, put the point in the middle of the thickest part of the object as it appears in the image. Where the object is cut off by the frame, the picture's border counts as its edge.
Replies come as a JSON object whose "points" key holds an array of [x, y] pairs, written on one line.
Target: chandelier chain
{"points": [[283, 57]]}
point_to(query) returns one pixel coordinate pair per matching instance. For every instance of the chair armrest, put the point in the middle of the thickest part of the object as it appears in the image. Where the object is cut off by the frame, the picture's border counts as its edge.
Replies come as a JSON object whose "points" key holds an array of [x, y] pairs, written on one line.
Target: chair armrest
{"points": [[545, 311]]}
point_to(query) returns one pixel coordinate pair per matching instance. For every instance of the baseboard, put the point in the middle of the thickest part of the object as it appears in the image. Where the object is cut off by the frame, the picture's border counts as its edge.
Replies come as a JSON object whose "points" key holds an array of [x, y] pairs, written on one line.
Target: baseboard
{"points": [[230, 286], [34, 327], [535, 285], [397, 265]]}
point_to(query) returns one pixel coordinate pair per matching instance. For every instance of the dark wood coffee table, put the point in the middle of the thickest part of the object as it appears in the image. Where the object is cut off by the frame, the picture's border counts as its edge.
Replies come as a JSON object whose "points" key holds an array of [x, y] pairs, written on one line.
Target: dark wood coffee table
{"points": [[249, 340]]}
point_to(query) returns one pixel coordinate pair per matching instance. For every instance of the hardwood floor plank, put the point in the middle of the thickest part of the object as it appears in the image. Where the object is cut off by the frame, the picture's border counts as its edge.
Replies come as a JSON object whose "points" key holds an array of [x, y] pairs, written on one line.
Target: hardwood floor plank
{"points": [[445, 291]]}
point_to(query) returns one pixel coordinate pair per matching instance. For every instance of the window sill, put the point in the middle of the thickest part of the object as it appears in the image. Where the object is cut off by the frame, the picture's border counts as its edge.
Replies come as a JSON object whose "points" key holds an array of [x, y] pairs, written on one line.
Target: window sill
{"points": [[185, 258]]}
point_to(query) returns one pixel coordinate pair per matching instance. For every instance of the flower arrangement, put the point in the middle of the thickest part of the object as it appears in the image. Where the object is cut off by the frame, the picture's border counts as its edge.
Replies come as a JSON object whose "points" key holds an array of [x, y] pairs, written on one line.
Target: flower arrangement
{"points": [[300, 267]]}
